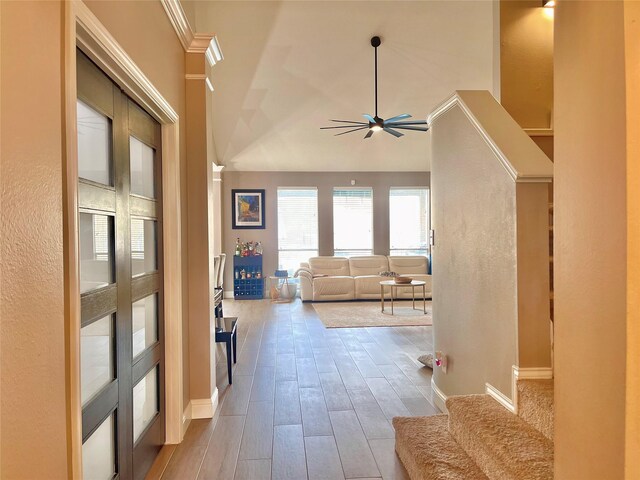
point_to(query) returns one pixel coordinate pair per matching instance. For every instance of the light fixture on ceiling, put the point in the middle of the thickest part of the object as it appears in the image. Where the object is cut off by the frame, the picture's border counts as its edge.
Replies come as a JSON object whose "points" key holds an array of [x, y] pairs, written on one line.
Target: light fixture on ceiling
{"points": [[375, 123], [548, 3]]}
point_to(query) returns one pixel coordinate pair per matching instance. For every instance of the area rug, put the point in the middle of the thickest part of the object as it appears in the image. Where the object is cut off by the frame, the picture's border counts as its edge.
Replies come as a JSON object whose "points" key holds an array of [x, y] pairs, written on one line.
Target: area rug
{"points": [[368, 314]]}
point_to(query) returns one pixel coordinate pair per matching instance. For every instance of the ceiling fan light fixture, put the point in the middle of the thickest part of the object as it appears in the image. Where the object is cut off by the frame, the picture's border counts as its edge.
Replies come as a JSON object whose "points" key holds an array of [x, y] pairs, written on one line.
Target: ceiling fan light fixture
{"points": [[375, 123]]}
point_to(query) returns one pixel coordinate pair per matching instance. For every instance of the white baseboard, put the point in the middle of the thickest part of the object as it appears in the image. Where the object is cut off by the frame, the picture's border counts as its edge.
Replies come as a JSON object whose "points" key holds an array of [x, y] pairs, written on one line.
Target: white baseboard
{"points": [[204, 407], [499, 397], [533, 373], [186, 419], [439, 398]]}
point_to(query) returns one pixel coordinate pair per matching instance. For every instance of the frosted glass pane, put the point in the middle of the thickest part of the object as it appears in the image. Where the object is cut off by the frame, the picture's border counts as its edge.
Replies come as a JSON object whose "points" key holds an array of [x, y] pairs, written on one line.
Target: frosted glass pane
{"points": [[145, 323], [353, 220], [142, 171], [99, 453], [94, 145], [145, 402], [96, 251], [96, 357], [143, 246]]}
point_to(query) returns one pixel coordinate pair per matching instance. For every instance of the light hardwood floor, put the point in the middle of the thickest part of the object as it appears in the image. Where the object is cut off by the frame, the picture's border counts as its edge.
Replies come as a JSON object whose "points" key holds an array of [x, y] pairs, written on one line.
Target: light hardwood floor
{"points": [[307, 402]]}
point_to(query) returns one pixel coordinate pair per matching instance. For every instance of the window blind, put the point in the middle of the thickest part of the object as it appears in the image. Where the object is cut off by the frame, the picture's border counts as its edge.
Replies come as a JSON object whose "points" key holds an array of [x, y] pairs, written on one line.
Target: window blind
{"points": [[408, 221], [297, 226], [352, 221]]}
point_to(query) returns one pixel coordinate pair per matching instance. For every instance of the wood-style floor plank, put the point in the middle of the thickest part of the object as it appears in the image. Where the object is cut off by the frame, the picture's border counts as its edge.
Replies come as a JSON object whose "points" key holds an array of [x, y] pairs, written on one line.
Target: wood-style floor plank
{"points": [[222, 453], [286, 369], [289, 460], [236, 399], [335, 395], [253, 470], [257, 438], [264, 385], [306, 397], [287, 408], [372, 419], [388, 462], [355, 454], [323, 460], [315, 417]]}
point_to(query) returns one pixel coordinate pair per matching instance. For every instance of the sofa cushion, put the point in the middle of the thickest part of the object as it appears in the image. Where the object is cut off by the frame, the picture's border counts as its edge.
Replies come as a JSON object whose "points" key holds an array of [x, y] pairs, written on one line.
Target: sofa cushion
{"points": [[368, 286], [409, 264], [329, 266], [369, 265], [334, 287]]}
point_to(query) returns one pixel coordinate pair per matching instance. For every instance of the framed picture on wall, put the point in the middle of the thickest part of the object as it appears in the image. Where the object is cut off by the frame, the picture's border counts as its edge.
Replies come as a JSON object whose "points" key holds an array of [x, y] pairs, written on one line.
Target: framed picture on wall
{"points": [[247, 208]]}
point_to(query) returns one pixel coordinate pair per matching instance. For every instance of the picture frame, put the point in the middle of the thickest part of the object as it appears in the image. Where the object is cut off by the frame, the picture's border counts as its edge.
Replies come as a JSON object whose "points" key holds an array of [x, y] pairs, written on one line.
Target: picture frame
{"points": [[247, 209]]}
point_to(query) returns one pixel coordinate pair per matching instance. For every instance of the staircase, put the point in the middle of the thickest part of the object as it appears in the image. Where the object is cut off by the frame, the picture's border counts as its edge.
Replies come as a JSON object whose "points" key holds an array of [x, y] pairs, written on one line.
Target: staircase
{"points": [[479, 439]]}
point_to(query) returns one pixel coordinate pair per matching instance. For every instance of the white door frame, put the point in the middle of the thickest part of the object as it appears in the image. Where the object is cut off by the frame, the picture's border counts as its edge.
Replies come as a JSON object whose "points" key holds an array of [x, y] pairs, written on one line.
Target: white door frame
{"points": [[83, 30]]}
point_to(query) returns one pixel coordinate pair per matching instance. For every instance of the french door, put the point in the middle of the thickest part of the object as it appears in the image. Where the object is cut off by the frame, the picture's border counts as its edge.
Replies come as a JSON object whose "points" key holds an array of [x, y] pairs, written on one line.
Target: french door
{"points": [[121, 295]]}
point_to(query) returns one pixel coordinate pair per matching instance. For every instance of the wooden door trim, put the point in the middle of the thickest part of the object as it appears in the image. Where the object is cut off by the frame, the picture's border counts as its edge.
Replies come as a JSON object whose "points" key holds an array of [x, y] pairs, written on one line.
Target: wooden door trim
{"points": [[83, 30]]}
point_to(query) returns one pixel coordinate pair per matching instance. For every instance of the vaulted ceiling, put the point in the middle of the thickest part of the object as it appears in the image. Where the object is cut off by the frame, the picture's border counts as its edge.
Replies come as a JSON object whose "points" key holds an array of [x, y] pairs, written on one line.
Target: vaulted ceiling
{"points": [[291, 66]]}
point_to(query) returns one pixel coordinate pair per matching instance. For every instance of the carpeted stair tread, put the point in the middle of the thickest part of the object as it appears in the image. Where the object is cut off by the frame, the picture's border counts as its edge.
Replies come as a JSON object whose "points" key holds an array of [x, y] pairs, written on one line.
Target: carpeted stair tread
{"points": [[429, 452], [535, 404], [504, 446]]}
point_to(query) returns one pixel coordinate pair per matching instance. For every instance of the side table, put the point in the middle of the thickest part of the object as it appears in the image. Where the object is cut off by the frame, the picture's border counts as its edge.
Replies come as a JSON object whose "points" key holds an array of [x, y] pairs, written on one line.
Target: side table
{"points": [[277, 285]]}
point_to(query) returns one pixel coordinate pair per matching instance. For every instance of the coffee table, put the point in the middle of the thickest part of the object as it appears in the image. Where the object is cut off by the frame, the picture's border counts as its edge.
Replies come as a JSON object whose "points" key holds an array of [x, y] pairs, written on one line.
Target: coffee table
{"points": [[393, 285]]}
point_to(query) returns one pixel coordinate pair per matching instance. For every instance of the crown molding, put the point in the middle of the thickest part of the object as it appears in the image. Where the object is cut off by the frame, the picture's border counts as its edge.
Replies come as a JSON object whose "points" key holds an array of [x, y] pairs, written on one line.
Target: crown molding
{"points": [[178, 19], [192, 42], [96, 41]]}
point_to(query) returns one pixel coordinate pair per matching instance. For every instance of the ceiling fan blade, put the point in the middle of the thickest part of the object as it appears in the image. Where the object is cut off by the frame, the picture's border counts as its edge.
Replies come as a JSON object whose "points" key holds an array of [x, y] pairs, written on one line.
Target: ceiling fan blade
{"points": [[369, 133], [393, 132], [369, 117], [347, 126], [349, 131], [411, 122], [397, 117], [406, 127], [349, 121]]}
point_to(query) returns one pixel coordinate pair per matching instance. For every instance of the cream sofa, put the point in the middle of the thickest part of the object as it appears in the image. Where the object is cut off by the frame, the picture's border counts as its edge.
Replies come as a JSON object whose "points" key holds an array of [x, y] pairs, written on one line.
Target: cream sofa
{"points": [[356, 278]]}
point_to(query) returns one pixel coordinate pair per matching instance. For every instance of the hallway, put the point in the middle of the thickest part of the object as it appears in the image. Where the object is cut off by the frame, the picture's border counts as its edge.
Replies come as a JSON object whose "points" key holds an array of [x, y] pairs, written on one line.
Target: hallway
{"points": [[307, 402]]}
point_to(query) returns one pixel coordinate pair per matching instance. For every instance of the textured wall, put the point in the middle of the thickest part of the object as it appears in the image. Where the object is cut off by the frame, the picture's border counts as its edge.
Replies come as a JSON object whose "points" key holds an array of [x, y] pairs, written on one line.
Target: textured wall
{"points": [[590, 240], [33, 411], [474, 283]]}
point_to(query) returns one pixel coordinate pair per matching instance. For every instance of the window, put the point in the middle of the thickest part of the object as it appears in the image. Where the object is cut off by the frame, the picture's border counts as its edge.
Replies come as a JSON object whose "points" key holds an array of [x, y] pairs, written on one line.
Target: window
{"points": [[352, 221], [297, 227], [409, 221]]}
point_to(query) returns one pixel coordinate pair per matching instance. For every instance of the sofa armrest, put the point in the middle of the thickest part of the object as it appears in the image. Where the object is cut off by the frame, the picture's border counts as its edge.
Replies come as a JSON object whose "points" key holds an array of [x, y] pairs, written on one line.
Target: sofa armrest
{"points": [[306, 284]]}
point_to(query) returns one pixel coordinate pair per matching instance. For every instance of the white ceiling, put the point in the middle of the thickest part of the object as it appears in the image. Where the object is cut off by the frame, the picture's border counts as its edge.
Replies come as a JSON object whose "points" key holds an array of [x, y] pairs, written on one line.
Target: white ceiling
{"points": [[291, 66]]}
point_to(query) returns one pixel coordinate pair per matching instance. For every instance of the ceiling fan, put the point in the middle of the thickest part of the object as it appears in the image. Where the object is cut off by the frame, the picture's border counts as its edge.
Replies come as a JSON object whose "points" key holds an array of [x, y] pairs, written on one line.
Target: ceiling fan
{"points": [[375, 123]]}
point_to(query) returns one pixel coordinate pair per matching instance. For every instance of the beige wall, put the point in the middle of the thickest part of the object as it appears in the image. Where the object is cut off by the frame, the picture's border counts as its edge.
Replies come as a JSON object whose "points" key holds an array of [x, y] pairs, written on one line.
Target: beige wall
{"points": [[33, 410], [199, 178], [590, 240], [491, 252], [526, 62], [34, 413], [160, 55], [324, 181], [632, 53], [474, 279]]}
